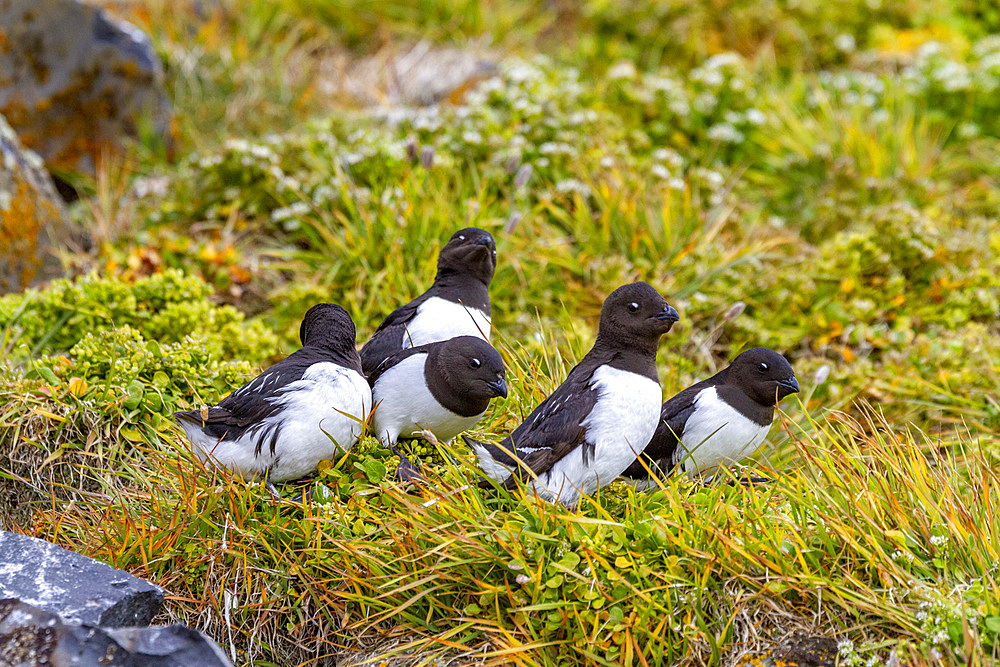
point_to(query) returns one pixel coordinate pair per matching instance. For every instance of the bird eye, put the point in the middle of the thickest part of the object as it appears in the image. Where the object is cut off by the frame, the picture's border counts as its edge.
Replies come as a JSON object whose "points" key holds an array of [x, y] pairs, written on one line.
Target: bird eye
{"points": [[461, 238], [763, 366], [475, 363], [632, 307]]}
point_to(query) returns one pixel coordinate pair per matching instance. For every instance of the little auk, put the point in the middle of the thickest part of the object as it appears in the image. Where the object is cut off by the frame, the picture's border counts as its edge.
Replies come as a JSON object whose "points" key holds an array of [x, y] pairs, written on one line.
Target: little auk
{"points": [[307, 408], [457, 304], [443, 387], [717, 421], [595, 423]]}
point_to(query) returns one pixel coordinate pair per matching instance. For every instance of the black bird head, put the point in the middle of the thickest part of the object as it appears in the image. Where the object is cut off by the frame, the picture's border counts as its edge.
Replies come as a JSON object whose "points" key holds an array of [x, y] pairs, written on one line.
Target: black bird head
{"points": [[472, 368], [328, 326], [635, 314], [763, 375], [470, 251]]}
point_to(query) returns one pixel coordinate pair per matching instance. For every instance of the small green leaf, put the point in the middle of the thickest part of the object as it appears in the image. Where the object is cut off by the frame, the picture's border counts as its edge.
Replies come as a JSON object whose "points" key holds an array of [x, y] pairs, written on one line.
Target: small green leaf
{"points": [[133, 395], [161, 380], [47, 374], [131, 434]]}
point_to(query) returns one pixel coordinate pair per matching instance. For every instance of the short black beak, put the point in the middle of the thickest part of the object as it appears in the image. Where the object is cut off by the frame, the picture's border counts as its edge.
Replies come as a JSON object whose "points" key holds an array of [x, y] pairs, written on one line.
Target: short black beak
{"points": [[483, 240], [791, 384], [499, 387], [668, 314]]}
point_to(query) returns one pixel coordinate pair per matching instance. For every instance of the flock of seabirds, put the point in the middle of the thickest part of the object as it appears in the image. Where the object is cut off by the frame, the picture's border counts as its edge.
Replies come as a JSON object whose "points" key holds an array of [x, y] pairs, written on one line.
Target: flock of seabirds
{"points": [[429, 367]]}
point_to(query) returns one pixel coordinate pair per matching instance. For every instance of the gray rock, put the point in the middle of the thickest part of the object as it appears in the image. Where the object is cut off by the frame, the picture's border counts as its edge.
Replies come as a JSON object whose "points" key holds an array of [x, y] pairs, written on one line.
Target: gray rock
{"points": [[32, 217], [77, 588], [75, 81], [798, 650], [423, 74], [32, 636]]}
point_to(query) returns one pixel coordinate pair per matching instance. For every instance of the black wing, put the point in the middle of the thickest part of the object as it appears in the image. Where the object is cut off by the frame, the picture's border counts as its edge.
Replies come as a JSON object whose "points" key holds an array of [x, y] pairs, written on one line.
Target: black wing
{"points": [[389, 336], [245, 409], [660, 455], [553, 429]]}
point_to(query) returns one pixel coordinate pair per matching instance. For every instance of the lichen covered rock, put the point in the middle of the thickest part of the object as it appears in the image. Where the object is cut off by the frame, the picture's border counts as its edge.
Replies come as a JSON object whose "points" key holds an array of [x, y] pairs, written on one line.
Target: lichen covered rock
{"points": [[32, 217], [75, 81], [30, 635]]}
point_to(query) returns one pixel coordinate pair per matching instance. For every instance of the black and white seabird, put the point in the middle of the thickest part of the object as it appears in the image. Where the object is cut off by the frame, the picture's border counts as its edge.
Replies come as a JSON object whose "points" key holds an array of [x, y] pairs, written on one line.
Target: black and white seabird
{"points": [[717, 421], [307, 408], [443, 387], [457, 304], [596, 422]]}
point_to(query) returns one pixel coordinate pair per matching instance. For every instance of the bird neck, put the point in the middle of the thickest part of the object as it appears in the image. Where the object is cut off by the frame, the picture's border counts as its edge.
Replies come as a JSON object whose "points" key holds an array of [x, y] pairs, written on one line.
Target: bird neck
{"points": [[463, 288], [637, 356]]}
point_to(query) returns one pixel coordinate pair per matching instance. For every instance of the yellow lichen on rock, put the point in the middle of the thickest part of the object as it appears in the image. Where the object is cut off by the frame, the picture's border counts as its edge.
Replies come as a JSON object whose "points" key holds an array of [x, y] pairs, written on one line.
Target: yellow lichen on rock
{"points": [[31, 216]]}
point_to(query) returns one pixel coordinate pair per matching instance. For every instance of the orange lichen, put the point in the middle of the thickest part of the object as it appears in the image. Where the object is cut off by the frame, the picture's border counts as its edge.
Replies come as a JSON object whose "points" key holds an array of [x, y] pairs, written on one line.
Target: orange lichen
{"points": [[22, 223]]}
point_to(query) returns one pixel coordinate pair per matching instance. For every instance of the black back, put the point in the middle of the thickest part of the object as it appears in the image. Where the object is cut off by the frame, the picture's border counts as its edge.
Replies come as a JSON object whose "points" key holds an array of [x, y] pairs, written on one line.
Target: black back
{"points": [[465, 269], [327, 334]]}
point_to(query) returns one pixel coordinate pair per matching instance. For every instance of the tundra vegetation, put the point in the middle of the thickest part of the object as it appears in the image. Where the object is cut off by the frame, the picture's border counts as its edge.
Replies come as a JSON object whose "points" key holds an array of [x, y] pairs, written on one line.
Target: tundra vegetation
{"points": [[817, 177]]}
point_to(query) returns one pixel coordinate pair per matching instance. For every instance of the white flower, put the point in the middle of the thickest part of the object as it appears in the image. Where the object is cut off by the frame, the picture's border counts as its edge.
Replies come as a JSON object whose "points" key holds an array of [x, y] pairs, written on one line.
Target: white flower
{"points": [[937, 540], [755, 117], [471, 137], [705, 102], [660, 172], [623, 69], [607, 162], [725, 133], [845, 42], [573, 185]]}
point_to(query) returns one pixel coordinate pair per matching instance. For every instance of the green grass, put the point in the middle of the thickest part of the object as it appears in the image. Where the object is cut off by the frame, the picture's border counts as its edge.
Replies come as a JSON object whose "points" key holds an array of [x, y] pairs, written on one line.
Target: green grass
{"points": [[838, 203]]}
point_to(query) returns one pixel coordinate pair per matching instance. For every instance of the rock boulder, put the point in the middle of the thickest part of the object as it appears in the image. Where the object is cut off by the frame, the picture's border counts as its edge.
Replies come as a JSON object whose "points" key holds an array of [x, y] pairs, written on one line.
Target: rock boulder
{"points": [[33, 636], [75, 81], [77, 588], [32, 218]]}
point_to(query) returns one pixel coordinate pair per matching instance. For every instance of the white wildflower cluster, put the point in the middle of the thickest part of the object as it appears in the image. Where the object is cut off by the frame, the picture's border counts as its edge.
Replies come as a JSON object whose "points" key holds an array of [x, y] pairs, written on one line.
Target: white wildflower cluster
{"points": [[939, 540], [573, 185], [290, 212], [947, 84], [902, 554]]}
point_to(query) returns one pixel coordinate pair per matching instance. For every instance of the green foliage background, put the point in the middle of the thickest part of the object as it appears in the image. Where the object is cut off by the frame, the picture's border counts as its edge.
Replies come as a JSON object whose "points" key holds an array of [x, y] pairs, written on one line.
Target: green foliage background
{"points": [[817, 177]]}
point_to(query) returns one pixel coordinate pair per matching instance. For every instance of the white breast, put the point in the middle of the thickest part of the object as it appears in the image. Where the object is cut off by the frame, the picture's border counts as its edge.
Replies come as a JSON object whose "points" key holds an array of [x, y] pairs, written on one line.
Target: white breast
{"points": [[405, 406], [717, 435], [322, 415], [619, 428], [439, 319]]}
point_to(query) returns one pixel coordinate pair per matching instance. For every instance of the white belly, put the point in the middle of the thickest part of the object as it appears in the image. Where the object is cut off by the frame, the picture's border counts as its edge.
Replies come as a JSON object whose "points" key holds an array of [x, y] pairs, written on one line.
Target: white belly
{"points": [[717, 435], [405, 406], [619, 428], [322, 416], [439, 319]]}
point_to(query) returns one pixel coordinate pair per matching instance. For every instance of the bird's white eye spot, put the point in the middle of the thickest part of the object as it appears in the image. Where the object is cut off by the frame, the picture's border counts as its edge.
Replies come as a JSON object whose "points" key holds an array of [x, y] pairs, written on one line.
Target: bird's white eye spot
{"points": [[763, 366], [633, 307], [461, 238], [475, 363]]}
